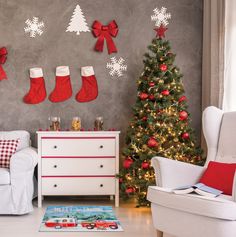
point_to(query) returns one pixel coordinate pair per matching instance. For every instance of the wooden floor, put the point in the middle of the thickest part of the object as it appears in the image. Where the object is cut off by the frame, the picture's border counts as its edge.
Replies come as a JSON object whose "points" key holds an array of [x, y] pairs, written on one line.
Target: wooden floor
{"points": [[135, 221]]}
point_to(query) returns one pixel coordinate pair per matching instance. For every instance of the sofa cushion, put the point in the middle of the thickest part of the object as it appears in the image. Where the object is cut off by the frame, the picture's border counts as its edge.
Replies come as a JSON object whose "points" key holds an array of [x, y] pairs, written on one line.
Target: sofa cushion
{"points": [[24, 137], [7, 149], [220, 176], [221, 207], [4, 176]]}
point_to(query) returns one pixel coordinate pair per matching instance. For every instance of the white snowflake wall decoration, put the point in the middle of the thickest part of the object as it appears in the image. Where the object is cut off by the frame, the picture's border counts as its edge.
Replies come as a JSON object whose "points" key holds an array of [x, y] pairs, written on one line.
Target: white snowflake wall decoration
{"points": [[77, 22], [116, 67], [34, 27], [161, 17]]}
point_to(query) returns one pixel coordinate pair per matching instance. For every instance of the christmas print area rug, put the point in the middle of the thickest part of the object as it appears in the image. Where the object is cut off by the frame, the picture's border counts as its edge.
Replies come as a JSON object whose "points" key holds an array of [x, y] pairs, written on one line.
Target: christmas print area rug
{"points": [[79, 219]]}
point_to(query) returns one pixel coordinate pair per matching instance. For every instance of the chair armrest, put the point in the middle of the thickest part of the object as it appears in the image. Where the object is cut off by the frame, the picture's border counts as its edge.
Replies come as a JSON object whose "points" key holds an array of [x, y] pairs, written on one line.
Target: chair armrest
{"points": [[172, 174], [23, 160]]}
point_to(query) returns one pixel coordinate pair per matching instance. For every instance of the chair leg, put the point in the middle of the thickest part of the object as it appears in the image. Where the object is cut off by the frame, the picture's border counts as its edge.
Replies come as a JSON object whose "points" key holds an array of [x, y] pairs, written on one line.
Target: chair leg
{"points": [[159, 233]]}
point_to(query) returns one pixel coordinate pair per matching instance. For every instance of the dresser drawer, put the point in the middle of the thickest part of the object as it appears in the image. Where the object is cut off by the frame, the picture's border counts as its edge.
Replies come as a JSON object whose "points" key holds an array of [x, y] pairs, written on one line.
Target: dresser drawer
{"points": [[78, 166], [78, 185], [78, 147]]}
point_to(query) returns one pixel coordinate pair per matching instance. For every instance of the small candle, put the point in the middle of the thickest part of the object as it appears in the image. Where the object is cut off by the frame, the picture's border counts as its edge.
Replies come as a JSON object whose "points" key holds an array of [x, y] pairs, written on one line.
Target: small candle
{"points": [[98, 124], [76, 124]]}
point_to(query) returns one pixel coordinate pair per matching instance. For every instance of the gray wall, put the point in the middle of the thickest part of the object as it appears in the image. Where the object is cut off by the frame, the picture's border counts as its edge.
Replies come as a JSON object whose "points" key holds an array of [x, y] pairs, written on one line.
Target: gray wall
{"points": [[55, 47]]}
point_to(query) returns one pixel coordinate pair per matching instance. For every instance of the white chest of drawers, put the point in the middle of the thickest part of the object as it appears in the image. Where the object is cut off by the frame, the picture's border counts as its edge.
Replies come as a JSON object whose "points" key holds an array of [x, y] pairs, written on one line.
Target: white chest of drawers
{"points": [[78, 163]]}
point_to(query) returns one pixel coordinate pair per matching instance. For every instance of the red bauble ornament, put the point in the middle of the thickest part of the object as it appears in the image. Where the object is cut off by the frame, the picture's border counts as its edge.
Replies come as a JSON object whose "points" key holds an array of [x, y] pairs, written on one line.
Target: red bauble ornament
{"points": [[151, 97], [151, 84], [120, 180], [144, 118], [130, 190], [163, 67], [182, 98], [198, 158], [165, 92], [185, 135], [127, 163], [152, 142], [183, 115], [143, 96], [169, 54], [145, 165], [159, 111]]}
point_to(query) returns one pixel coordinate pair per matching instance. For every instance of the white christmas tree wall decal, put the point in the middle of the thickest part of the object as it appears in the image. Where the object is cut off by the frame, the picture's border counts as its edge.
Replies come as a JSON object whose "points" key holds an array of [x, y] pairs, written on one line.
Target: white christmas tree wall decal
{"points": [[77, 22]]}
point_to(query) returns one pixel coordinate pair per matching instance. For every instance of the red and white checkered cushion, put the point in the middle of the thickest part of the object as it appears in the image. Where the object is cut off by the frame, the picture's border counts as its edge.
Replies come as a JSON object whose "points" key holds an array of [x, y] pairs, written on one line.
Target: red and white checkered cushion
{"points": [[7, 149]]}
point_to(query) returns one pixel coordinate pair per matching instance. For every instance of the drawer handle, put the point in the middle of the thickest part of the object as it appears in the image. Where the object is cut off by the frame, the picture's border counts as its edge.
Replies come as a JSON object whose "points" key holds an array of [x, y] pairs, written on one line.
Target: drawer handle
{"points": [[55, 147], [101, 166], [101, 185], [55, 166], [101, 146], [55, 185]]}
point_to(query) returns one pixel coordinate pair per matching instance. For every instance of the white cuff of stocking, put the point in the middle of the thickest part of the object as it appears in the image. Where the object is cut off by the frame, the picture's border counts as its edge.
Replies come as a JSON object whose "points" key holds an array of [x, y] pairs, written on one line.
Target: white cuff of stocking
{"points": [[36, 72], [87, 71], [62, 71]]}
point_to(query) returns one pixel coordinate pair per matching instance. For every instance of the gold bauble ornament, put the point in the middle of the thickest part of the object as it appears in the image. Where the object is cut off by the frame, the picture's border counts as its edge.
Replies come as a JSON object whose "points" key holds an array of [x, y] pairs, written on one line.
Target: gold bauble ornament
{"points": [[141, 113], [144, 147], [156, 79], [161, 81], [151, 127]]}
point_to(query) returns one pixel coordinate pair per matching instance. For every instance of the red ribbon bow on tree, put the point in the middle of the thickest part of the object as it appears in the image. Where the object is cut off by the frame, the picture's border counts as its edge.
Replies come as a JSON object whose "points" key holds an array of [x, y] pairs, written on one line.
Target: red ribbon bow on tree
{"points": [[3, 58], [105, 32]]}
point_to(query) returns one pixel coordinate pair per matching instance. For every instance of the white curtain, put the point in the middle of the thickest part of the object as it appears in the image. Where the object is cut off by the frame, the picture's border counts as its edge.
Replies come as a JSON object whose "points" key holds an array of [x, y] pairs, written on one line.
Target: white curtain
{"points": [[213, 53], [229, 98]]}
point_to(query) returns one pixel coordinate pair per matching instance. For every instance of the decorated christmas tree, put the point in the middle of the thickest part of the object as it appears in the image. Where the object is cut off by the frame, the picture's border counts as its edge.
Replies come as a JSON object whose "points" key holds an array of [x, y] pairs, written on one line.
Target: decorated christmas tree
{"points": [[161, 122]]}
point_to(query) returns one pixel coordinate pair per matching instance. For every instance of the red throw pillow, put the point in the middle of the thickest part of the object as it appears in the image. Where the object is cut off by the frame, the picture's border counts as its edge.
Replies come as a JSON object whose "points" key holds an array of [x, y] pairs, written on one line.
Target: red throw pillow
{"points": [[220, 176], [7, 149]]}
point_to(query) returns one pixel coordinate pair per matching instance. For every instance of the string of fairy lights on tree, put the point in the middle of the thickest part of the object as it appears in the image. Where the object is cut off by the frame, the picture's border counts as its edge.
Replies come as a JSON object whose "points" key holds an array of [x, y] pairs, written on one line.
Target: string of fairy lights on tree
{"points": [[161, 123]]}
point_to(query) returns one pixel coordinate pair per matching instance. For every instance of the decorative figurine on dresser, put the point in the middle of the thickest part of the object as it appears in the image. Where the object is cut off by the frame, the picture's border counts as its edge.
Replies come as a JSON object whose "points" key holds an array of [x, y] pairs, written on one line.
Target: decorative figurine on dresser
{"points": [[78, 163]]}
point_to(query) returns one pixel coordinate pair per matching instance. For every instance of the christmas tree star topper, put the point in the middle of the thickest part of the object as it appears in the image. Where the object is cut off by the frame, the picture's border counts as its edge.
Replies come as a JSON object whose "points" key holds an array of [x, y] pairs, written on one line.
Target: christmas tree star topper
{"points": [[160, 31]]}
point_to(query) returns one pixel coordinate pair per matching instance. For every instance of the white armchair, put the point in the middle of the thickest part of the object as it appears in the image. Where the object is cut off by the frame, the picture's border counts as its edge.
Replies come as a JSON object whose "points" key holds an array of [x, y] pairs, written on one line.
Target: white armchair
{"points": [[16, 183], [189, 216]]}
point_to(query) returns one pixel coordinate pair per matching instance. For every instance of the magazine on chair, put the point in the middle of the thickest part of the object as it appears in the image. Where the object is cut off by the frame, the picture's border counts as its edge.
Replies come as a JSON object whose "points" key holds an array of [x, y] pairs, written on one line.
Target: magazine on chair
{"points": [[198, 188]]}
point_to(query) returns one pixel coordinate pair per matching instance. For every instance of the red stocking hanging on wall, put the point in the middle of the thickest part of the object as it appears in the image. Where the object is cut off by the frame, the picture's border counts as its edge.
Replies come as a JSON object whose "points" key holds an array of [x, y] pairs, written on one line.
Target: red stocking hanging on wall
{"points": [[89, 90], [63, 89], [37, 92], [3, 58]]}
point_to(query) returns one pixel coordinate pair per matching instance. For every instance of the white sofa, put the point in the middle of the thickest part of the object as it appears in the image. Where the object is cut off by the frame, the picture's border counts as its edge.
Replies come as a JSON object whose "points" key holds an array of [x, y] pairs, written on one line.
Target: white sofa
{"points": [[188, 216], [16, 183]]}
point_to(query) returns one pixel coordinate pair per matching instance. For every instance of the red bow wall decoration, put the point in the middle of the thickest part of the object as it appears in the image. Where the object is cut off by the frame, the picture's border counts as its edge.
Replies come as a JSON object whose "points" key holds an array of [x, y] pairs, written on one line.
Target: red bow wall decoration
{"points": [[3, 58], [105, 32]]}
